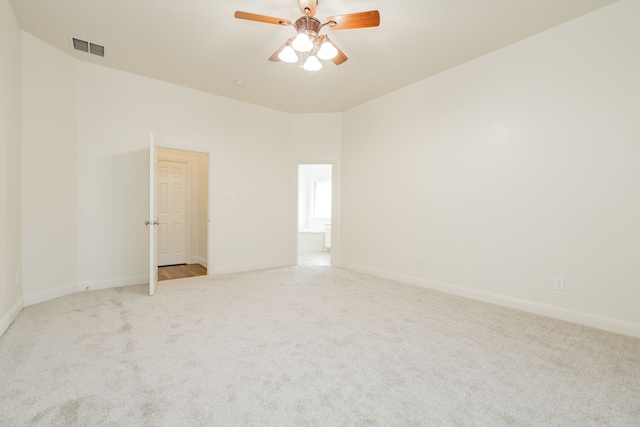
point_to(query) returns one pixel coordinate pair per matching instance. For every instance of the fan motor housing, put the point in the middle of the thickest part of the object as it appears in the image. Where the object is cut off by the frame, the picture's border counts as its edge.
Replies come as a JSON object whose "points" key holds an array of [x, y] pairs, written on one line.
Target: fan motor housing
{"points": [[309, 25]]}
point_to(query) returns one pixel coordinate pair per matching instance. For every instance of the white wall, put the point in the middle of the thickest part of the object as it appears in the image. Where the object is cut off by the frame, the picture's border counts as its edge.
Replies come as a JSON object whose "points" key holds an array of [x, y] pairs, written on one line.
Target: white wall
{"points": [[116, 113], [49, 171], [203, 210], [85, 152], [316, 138], [11, 300], [508, 171]]}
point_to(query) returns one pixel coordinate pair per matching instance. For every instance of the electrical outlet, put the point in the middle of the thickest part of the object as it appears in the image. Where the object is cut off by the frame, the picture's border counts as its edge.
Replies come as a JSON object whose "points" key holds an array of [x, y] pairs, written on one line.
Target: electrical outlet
{"points": [[378, 255], [558, 283], [420, 262], [17, 279], [250, 250]]}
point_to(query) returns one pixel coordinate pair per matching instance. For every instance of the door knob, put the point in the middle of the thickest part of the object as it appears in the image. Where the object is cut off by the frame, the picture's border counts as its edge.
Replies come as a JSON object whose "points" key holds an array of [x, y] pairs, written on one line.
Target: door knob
{"points": [[156, 222]]}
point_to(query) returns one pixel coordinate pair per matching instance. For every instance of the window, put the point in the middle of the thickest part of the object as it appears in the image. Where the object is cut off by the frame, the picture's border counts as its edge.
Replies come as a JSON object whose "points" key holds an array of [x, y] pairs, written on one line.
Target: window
{"points": [[322, 199]]}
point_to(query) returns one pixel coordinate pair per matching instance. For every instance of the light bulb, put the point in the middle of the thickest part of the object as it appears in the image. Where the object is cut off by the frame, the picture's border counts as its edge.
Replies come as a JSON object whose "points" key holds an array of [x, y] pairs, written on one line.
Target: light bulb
{"points": [[312, 64], [302, 43], [327, 50], [288, 54]]}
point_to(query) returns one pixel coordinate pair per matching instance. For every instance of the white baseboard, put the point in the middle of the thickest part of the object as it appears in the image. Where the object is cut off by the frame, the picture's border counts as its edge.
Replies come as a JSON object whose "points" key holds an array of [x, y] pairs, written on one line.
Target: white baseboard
{"points": [[39, 297], [593, 320], [10, 315], [201, 261], [247, 267], [112, 283]]}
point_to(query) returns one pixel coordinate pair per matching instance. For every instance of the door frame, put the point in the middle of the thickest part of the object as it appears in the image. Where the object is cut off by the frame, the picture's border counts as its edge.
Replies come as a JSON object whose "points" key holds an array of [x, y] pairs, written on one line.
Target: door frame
{"points": [[335, 208], [209, 152]]}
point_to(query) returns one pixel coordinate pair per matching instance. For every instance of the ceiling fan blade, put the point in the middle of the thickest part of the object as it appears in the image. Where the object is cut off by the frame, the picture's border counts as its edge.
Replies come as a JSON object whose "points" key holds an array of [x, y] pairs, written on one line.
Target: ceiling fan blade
{"points": [[274, 57], [340, 57], [354, 20], [261, 18], [308, 4]]}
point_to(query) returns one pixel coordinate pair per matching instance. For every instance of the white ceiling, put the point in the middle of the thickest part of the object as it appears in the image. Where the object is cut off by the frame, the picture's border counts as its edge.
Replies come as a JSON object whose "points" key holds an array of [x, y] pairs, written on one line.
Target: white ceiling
{"points": [[199, 44]]}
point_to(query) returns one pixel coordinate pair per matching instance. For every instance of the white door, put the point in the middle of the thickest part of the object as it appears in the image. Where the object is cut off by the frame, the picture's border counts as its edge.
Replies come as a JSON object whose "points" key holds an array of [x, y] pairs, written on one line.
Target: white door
{"points": [[152, 223], [172, 212]]}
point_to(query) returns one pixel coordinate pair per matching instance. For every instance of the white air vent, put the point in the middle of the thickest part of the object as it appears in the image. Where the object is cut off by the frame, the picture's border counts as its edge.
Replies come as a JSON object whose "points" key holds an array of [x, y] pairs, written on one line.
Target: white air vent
{"points": [[96, 49], [80, 45], [89, 47]]}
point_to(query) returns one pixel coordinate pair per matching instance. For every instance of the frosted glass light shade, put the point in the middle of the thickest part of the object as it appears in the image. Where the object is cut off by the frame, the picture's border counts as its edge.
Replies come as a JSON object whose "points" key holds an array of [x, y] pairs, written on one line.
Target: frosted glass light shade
{"points": [[288, 54], [327, 50], [302, 43], [312, 64]]}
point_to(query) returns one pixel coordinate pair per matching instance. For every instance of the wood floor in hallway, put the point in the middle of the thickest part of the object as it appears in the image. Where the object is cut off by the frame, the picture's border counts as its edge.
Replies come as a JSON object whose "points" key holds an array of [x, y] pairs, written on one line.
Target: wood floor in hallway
{"points": [[170, 272]]}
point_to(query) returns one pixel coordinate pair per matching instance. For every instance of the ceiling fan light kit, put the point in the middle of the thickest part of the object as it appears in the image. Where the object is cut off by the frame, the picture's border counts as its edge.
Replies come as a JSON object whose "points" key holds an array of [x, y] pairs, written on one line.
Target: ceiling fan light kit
{"points": [[302, 43], [288, 54], [312, 63], [327, 50], [308, 41]]}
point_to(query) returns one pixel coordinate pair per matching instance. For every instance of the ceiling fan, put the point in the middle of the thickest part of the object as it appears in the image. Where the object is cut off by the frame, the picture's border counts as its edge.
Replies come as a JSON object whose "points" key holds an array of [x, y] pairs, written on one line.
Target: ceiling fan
{"points": [[308, 41]]}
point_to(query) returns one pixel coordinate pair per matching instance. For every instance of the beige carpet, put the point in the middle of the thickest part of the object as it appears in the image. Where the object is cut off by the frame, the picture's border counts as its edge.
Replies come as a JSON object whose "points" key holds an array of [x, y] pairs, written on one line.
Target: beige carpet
{"points": [[307, 346]]}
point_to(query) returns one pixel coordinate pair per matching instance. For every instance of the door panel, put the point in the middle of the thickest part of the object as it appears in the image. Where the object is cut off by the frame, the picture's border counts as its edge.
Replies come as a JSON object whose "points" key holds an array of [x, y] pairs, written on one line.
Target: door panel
{"points": [[163, 240], [172, 180], [152, 223]]}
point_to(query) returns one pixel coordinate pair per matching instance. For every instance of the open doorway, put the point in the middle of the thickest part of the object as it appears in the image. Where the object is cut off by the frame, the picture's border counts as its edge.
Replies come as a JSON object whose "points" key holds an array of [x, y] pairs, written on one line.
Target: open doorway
{"points": [[182, 202], [314, 213]]}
